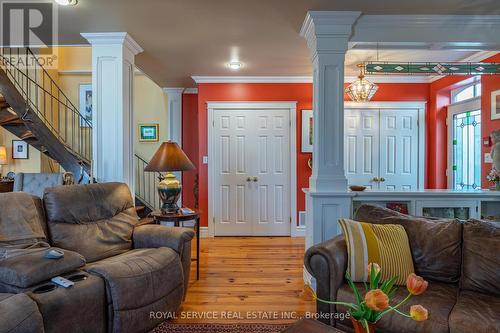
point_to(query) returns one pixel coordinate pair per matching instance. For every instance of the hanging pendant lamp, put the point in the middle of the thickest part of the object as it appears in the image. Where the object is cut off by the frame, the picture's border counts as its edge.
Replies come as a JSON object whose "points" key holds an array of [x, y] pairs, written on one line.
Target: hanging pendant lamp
{"points": [[361, 90]]}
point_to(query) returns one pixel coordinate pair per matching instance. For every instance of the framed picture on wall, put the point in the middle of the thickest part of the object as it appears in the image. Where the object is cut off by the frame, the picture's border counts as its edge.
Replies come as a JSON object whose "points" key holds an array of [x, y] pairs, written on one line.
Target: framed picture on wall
{"points": [[86, 105], [149, 132], [307, 131], [20, 150], [495, 105]]}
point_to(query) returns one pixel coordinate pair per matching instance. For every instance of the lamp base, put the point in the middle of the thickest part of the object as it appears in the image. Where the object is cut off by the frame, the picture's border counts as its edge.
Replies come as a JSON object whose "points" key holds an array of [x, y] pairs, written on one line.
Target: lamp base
{"points": [[169, 190]]}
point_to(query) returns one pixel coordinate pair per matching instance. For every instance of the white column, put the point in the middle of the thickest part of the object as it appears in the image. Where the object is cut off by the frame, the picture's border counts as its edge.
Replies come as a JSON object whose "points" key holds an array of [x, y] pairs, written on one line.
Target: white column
{"points": [[327, 200], [113, 58], [174, 96]]}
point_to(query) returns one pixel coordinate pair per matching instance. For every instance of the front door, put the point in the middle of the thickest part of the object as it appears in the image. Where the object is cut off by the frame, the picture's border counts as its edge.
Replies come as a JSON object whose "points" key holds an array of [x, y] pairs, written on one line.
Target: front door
{"points": [[252, 172]]}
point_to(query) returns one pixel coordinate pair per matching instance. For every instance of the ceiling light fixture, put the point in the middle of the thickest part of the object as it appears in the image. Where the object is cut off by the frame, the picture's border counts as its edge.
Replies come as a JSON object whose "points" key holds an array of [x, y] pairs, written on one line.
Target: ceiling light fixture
{"points": [[361, 90], [235, 65], [67, 2]]}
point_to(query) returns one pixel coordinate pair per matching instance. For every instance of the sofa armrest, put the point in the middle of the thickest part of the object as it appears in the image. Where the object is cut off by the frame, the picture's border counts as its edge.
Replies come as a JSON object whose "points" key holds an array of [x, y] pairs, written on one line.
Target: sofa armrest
{"points": [[153, 236], [327, 262], [176, 238], [24, 268]]}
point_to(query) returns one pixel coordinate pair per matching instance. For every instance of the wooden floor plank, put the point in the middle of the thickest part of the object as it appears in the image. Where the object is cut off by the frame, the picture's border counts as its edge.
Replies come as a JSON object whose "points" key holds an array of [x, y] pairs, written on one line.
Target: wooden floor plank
{"points": [[256, 279]]}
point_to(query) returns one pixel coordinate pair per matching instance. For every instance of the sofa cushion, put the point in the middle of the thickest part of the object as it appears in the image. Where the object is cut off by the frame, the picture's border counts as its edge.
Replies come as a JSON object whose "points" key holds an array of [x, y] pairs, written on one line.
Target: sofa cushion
{"points": [[139, 280], [481, 262], [386, 245], [19, 314], [94, 220], [24, 268], [475, 312], [22, 219], [435, 243], [439, 300]]}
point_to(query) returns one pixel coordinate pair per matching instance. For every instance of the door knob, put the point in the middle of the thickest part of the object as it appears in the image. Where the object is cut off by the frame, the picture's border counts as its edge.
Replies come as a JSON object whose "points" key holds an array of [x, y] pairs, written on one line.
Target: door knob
{"points": [[255, 179], [375, 179], [382, 179], [249, 179]]}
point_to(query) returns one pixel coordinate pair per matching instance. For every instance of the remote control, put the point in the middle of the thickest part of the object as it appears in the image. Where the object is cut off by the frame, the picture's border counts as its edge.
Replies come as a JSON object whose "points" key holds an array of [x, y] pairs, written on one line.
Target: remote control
{"points": [[65, 283], [54, 254]]}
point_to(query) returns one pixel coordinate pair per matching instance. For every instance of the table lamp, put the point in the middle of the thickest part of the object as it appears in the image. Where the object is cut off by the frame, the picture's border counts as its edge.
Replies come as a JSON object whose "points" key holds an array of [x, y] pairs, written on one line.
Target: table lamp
{"points": [[3, 158], [168, 158]]}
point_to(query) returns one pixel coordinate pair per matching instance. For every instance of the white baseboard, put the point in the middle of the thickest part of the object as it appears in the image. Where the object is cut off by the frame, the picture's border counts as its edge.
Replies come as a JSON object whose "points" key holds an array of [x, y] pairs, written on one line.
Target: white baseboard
{"points": [[204, 232], [299, 231]]}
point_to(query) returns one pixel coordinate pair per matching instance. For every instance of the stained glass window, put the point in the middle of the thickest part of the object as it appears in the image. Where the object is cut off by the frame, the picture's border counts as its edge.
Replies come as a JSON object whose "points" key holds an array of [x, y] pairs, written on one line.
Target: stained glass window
{"points": [[467, 150]]}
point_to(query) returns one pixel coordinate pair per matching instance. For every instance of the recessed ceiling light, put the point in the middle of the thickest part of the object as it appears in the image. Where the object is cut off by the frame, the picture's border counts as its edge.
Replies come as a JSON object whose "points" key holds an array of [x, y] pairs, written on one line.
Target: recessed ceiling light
{"points": [[235, 65], [67, 2]]}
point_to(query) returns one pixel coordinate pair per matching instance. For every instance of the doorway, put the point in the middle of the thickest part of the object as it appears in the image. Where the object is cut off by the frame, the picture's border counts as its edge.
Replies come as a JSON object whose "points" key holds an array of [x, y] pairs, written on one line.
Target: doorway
{"points": [[252, 168]]}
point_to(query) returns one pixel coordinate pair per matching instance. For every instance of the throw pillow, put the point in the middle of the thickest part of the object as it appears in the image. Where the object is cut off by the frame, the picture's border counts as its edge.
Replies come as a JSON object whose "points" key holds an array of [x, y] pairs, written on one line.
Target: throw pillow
{"points": [[386, 245]]}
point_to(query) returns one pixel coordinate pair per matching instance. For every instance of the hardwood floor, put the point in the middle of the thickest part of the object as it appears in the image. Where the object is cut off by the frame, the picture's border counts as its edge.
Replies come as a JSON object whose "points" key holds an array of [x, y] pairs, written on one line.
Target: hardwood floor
{"points": [[248, 279]]}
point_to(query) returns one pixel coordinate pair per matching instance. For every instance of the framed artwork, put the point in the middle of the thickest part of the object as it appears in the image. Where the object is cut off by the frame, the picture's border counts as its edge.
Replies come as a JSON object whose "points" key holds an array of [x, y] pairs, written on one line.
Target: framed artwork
{"points": [[20, 150], [307, 131], [149, 132], [495, 105], [86, 105]]}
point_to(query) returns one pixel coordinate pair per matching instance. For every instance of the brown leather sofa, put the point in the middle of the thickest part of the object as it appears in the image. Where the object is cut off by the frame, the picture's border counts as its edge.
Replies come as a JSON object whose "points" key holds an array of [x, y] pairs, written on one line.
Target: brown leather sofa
{"points": [[460, 259], [123, 271]]}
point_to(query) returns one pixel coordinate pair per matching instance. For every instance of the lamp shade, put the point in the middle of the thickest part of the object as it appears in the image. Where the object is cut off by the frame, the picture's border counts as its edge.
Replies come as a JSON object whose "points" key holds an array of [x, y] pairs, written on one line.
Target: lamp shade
{"points": [[169, 157], [3, 155]]}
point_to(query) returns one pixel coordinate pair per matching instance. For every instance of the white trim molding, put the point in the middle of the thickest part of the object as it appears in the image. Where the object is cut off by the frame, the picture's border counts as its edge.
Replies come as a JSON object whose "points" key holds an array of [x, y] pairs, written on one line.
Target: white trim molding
{"points": [[252, 79], [190, 91], [292, 106], [113, 38]]}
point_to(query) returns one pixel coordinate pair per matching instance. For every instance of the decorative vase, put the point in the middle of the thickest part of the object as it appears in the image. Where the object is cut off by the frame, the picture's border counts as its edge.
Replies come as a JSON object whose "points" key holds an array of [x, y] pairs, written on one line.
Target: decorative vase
{"points": [[497, 186], [358, 326]]}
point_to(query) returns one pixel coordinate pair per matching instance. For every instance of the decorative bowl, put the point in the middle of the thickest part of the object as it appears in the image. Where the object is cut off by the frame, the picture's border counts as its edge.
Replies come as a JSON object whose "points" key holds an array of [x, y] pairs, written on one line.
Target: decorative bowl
{"points": [[357, 188]]}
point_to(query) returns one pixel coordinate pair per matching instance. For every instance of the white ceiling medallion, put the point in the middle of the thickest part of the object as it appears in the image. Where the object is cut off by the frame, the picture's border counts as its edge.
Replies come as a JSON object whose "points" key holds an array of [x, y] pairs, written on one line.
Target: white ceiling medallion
{"points": [[67, 2], [235, 65]]}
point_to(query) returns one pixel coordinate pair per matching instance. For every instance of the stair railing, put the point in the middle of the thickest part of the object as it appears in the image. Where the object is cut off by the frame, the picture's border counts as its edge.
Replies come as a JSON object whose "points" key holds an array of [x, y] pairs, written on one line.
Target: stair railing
{"points": [[146, 184], [44, 96]]}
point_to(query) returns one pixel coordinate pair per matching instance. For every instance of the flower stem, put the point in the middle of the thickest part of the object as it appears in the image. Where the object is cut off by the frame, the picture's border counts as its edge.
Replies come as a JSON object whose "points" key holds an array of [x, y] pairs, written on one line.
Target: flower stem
{"points": [[395, 307], [350, 305]]}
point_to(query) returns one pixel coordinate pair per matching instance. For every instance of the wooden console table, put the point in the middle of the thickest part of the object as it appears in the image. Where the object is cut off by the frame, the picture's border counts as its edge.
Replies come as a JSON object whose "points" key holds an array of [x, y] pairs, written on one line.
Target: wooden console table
{"points": [[179, 219]]}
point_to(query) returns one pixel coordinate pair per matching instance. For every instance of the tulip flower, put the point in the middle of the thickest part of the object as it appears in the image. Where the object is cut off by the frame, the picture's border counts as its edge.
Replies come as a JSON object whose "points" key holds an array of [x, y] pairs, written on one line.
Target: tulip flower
{"points": [[416, 285], [377, 300], [418, 313], [376, 267]]}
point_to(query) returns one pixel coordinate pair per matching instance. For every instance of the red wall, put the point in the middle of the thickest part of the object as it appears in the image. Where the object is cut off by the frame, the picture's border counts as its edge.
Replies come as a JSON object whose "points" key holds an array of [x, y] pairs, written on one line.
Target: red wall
{"points": [[300, 92], [189, 145], [489, 83], [437, 135]]}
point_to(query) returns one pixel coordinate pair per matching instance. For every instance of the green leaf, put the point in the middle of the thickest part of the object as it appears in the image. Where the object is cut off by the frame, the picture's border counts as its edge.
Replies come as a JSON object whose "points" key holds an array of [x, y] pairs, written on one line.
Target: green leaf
{"points": [[387, 286], [359, 299]]}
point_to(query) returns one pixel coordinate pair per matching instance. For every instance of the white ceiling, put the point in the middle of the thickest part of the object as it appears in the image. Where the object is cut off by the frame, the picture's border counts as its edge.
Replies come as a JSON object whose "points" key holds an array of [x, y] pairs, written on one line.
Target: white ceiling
{"points": [[182, 38]]}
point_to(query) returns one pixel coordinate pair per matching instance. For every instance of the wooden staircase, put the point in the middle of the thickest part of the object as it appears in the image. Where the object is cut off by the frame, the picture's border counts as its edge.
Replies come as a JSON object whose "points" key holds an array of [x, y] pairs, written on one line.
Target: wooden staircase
{"points": [[34, 108]]}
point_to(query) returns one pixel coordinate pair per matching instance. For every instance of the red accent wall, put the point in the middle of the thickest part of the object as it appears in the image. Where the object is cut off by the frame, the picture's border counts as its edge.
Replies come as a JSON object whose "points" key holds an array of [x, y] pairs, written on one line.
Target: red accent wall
{"points": [[489, 83], [437, 135], [189, 145], [300, 92]]}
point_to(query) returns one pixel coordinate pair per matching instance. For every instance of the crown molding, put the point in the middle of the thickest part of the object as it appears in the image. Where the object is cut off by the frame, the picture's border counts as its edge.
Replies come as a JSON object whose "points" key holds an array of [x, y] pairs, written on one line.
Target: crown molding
{"points": [[252, 79], [305, 79], [113, 38], [190, 91], [89, 72]]}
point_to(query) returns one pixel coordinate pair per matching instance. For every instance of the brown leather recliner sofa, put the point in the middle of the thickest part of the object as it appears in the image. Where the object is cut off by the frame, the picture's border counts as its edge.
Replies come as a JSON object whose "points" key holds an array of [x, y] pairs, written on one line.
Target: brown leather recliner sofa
{"points": [[123, 271], [460, 259]]}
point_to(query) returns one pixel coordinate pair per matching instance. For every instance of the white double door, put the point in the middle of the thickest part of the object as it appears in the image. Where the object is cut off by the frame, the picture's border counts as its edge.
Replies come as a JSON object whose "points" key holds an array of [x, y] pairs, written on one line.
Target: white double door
{"points": [[381, 148], [252, 172]]}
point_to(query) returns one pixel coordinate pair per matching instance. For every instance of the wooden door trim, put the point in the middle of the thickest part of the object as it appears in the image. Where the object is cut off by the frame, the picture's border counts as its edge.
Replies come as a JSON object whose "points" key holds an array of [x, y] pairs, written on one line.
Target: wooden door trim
{"points": [[292, 107]]}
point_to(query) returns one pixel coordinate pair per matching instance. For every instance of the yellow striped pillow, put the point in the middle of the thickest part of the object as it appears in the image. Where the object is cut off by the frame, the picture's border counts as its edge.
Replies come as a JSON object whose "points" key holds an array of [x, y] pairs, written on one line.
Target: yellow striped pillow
{"points": [[385, 244]]}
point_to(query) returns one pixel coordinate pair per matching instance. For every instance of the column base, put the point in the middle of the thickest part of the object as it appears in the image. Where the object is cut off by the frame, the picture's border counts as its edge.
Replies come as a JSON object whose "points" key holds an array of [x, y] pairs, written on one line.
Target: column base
{"points": [[328, 183], [323, 210]]}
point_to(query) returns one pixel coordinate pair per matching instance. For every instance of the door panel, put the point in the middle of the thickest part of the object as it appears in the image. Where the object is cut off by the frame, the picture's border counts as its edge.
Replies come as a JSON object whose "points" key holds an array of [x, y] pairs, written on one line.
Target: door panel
{"points": [[399, 150], [233, 211], [362, 147], [252, 172]]}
